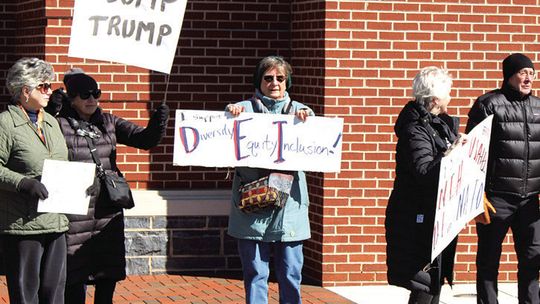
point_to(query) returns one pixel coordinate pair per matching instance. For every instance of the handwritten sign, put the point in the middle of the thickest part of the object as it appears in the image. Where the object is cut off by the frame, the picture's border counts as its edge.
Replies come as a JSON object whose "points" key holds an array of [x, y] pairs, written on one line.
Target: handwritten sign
{"points": [[142, 33], [461, 186], [217, 139]]}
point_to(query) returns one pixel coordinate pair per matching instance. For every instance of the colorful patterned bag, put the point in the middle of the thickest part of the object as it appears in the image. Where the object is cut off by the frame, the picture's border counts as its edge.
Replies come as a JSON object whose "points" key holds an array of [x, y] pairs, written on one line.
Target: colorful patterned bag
{"points": [[271, 191]]}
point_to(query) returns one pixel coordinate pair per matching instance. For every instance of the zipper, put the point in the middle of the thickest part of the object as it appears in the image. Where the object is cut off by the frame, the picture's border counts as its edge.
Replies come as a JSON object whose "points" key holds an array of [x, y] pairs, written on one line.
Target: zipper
{"points": [[525, 103]]}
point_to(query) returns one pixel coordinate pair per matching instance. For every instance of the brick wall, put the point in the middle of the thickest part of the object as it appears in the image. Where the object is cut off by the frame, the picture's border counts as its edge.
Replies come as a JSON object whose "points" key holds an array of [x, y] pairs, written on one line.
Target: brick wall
{"points": [[307, 59], [27, 21], [353, 59], [374, 49]]}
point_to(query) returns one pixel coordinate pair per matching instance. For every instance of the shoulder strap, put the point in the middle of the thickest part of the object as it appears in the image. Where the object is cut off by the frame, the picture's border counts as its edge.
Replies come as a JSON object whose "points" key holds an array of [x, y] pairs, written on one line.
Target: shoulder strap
{"points": [[80, 132], [287, 108], [92, 147]]}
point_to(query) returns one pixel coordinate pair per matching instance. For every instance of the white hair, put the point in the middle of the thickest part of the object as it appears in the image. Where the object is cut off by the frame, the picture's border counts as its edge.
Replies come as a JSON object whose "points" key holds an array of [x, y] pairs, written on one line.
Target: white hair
{"points": [[431, 82]]}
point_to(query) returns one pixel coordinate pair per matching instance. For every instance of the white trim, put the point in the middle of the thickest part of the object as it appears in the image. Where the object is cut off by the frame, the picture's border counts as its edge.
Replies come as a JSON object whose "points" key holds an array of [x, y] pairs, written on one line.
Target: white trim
{"points": [[180, 203]]}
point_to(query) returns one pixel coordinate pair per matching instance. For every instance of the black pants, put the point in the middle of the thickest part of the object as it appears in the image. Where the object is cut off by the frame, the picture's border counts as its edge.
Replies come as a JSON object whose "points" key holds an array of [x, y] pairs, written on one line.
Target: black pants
{"points": [[523, 217], [35, 268], [104, 290]]}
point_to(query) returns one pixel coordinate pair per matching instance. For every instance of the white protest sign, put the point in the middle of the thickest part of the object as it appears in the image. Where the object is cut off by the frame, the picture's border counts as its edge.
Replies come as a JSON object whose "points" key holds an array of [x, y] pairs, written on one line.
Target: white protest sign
{"points": [[217, 139], [142, 33], [66, 183], [461, 186]]}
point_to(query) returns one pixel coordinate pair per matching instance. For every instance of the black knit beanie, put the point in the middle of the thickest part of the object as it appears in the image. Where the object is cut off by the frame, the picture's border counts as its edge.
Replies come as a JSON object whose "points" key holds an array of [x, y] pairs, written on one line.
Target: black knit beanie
{"points": [[515, 62], [80, 83]]}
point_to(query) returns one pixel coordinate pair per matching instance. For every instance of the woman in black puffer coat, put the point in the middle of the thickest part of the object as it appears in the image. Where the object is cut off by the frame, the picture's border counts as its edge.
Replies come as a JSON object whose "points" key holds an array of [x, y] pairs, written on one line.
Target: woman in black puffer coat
{"points": [[424, 132], [96, 253]]}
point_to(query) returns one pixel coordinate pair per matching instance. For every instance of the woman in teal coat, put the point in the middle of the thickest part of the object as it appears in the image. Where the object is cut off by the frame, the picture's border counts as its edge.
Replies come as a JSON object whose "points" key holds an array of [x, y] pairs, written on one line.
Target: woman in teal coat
{"points": [[33, 243], [272, 230]]}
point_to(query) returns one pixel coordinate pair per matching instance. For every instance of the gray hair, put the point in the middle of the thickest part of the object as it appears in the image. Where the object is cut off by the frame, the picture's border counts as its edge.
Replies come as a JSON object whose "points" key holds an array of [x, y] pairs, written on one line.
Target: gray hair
{"points": [[431, 82], [29, 72], [268, 63]]}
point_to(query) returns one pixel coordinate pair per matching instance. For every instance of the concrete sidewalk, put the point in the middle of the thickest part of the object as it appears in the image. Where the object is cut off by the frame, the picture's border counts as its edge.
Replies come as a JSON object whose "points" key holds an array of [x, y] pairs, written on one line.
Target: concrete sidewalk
{"points": [[459, 294]]}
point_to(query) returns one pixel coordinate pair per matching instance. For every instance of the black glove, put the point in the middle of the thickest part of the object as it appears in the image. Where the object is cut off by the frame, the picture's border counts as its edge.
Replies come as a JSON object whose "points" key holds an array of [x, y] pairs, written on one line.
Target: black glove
{"points": [[93, 190], [161, 114], [33, 187], [56, 100]]}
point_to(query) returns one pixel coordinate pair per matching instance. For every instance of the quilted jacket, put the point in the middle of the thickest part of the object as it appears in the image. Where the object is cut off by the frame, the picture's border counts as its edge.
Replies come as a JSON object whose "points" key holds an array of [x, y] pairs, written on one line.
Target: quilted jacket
{"points": [[22, 154], [514, 154]]}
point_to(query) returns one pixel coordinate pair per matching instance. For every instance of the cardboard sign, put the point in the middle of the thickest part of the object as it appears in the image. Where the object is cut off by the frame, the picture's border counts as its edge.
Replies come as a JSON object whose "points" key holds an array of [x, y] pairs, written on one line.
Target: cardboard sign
{"points": [[461, 186], [217, 139], [142, 33]]}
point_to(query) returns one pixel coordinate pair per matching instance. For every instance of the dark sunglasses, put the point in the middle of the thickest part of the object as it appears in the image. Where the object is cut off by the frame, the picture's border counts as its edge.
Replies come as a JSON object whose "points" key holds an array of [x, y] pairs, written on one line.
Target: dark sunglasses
{"points": [[270, 78], [44, 87], [86, 95]]}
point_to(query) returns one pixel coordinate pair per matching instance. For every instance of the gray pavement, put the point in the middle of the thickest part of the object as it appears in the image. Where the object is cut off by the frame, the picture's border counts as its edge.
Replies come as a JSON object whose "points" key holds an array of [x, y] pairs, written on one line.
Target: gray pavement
{"points": [[459, 294]]}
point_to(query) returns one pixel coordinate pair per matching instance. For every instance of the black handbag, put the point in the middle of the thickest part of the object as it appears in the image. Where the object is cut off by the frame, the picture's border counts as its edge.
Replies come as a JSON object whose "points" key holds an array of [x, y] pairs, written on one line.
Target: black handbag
{"points": [[116, 186]]}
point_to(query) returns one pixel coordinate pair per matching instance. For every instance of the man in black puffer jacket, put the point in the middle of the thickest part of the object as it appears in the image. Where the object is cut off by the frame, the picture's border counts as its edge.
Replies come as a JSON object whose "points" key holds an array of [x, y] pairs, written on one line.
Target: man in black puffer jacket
{"points": [[512, 182]]}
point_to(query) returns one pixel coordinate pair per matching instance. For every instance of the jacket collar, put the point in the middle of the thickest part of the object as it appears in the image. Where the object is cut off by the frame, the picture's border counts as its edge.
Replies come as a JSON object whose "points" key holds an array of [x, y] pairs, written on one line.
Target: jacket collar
{"points": [[512, 94], [19, 117]]}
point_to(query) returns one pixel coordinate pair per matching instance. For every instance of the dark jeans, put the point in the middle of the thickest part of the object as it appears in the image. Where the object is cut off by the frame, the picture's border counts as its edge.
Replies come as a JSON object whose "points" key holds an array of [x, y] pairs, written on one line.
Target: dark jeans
{"points": [[104, 291], [35, 268], [523, 217]]}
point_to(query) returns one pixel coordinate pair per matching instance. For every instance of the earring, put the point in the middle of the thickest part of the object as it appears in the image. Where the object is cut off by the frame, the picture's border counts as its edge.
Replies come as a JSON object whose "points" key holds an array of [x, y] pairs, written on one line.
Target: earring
{"points": [[27, 97]]}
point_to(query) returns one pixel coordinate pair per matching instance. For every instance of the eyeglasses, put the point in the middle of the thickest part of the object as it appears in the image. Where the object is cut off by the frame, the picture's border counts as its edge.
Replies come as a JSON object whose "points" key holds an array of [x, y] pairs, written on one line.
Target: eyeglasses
{"points": [[270, 78], [95, 93], [44, 87]]}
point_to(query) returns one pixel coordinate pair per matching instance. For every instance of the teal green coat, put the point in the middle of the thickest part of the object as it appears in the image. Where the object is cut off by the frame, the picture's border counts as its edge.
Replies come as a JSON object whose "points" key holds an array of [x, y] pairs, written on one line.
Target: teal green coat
{"points": [[21, 155], [288, 224]]}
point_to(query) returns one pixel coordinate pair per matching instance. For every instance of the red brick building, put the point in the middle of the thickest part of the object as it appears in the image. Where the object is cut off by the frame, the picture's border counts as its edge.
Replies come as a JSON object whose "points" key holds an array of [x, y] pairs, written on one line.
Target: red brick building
{"points": [[352, 59]]}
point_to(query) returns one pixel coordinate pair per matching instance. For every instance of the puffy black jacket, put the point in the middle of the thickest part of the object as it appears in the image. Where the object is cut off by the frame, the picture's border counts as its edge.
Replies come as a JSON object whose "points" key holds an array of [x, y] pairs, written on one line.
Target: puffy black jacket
{"points": [[514, 154], [410, 214], [96, 240]]}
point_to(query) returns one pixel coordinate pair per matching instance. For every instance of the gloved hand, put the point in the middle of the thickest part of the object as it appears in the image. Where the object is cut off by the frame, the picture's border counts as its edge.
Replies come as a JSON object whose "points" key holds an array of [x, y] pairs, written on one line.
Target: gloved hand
{"points": [[485, 218], [56, 100], [93, 190], [161, 114], [33, 187]]}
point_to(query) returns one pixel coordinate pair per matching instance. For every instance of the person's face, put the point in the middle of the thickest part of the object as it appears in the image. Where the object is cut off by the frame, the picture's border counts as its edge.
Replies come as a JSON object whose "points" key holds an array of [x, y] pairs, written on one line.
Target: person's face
{"points": [[86, 104], [36, 98], [522, 80], [440, 105], [274, 83]]}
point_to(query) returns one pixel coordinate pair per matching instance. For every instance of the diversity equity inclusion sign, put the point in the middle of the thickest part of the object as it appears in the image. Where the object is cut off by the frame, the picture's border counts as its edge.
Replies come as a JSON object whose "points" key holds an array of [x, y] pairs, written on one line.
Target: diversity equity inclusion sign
{"points": [[142, 33], [461, 186], [217, 139]]}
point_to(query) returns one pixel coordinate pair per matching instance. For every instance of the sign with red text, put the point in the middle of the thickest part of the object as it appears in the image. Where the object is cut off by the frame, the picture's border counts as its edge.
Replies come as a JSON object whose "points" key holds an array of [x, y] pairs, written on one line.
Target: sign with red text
{"points": [[142, 33], [461, 186], [217, 139]]}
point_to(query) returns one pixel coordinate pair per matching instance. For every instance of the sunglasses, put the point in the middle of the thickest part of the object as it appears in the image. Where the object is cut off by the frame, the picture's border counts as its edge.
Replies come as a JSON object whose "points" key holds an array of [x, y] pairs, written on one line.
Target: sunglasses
{"points": [[270, 78], [44, 87], [95, 93]]}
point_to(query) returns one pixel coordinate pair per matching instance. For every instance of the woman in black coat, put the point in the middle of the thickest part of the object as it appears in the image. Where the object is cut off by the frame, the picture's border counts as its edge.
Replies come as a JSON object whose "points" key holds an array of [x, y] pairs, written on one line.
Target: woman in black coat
{"points": [[425, 132], [96, 253]]}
